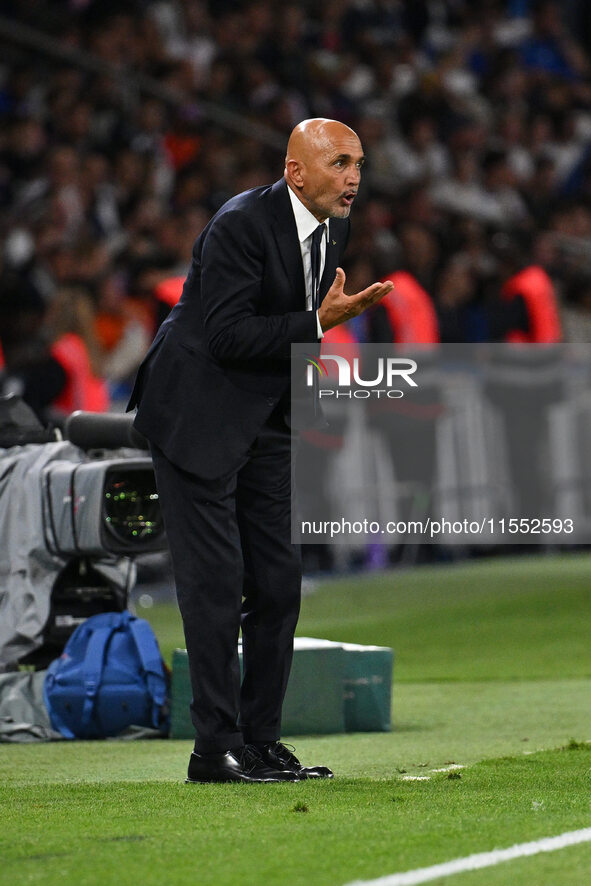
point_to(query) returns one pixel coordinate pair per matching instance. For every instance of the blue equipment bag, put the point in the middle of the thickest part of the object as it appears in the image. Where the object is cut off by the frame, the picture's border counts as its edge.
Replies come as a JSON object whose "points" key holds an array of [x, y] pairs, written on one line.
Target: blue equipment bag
{"points": [[109, 676]]}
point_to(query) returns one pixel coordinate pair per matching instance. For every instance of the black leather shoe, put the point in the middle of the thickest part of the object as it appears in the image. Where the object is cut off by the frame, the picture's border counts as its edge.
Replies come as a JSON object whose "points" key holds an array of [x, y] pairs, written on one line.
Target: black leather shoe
{"points": [[278, 757], [244, 764]]}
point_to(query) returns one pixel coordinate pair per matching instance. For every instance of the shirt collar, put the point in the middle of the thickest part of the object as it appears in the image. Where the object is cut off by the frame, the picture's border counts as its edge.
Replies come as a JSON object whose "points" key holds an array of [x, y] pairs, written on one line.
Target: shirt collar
{"points": [[306, 223]]}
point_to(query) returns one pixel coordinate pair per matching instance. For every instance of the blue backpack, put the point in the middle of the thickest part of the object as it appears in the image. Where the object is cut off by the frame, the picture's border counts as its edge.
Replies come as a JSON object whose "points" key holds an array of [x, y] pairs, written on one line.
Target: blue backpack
{"points": [[109, 676]]}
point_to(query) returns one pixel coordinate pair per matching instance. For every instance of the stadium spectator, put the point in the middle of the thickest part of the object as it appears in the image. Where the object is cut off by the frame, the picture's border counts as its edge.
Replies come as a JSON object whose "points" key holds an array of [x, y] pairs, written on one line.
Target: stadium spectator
{"points": [[74, 346], [475, 119], [123, 329]]}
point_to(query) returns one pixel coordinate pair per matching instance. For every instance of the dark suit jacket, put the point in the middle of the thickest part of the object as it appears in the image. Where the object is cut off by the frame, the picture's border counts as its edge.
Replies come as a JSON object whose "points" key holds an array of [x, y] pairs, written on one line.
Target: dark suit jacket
{"points": [[220, 362]]}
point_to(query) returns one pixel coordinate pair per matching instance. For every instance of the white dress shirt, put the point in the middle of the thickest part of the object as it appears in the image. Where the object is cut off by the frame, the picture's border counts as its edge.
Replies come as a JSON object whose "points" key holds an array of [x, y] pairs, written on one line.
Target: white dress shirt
{"points": [[306, 224]]}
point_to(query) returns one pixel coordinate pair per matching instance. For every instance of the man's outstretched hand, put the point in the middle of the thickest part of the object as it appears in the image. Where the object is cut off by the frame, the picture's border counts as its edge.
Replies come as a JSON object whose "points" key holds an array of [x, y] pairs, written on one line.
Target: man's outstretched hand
{"points": [[337, 306]]}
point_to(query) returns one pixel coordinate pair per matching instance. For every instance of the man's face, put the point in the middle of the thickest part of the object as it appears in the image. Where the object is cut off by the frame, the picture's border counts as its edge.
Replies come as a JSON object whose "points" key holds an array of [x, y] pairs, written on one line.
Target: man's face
{"points": [[330, 175]]}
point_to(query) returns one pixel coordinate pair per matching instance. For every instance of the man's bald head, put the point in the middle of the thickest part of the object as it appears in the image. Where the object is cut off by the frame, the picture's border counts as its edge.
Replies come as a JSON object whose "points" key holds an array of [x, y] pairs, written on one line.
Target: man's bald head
{"points": [[322, 166], [314, 134]]}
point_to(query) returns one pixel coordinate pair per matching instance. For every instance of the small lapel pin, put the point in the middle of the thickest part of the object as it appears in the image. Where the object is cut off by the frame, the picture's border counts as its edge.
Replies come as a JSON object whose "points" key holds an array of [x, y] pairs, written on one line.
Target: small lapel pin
{"points": [[334, 242]]}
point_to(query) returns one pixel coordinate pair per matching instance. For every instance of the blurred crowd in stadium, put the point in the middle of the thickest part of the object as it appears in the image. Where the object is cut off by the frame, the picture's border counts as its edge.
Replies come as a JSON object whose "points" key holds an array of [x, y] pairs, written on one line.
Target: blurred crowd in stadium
{"points": [[475, 119]]}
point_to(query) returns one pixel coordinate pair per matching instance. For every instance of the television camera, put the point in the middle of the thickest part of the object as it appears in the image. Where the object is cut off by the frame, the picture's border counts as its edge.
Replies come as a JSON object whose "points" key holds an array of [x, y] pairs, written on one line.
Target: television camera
{"points": [[76, 510]]}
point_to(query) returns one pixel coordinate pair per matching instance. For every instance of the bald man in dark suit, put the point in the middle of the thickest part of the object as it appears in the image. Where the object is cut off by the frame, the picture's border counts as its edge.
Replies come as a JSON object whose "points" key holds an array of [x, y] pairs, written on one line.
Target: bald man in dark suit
{"points": [[213, 400]]}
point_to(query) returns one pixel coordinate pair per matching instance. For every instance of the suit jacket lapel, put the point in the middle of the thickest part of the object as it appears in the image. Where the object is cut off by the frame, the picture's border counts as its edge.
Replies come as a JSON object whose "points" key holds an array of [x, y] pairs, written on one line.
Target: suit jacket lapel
{"points": [[286, 235]]}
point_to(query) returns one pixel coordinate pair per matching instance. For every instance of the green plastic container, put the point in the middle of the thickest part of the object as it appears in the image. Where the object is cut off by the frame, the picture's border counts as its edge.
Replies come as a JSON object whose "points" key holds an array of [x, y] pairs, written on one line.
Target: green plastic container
{"points": [[333, 687]]}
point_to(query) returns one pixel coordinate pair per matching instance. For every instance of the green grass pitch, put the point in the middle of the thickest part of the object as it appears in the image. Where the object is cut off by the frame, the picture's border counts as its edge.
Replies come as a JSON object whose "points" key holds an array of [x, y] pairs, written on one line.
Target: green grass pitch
{"points": [[490, 747]]}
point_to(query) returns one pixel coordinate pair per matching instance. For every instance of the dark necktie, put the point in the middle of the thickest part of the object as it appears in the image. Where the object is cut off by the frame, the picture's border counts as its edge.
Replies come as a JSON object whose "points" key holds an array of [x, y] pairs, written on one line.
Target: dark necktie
{"points": [[315, 257], [315, 260]]}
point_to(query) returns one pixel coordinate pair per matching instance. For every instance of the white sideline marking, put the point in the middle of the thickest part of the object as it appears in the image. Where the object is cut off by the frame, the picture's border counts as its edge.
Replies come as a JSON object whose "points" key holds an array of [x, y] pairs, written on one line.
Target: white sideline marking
{"points": [[480, 860]]}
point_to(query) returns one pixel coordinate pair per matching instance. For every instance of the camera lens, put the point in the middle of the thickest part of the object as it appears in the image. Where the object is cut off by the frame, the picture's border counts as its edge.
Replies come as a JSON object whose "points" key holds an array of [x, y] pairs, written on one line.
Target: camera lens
{"points": [[131, 507]]}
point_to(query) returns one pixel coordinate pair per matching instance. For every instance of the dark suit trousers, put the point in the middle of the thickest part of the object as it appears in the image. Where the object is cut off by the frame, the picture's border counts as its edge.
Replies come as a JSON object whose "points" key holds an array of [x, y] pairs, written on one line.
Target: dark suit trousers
{"points": [[234, 565]]}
